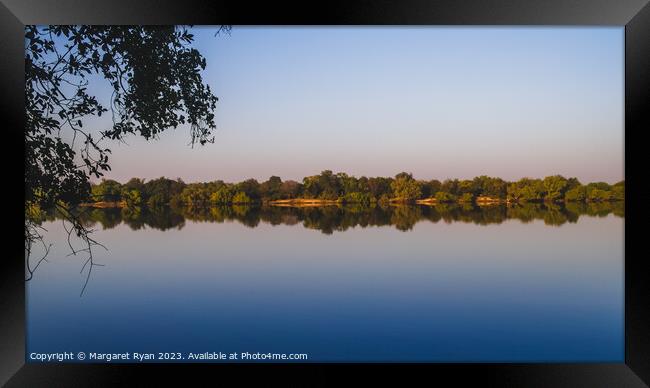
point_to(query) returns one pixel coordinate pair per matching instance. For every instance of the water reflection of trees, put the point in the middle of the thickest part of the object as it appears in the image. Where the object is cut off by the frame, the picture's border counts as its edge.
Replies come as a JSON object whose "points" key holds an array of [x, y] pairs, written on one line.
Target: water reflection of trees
{"points": [[330, 219]]}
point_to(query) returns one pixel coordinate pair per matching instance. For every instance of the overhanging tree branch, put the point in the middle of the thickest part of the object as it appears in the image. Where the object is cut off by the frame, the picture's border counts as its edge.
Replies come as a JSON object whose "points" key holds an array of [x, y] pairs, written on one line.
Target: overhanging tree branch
{"points": [[154, 75]]}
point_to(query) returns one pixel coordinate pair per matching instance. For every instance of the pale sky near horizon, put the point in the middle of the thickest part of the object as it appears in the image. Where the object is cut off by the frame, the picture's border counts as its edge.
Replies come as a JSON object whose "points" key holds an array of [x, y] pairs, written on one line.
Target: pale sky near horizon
{"points": [[440, 102]]}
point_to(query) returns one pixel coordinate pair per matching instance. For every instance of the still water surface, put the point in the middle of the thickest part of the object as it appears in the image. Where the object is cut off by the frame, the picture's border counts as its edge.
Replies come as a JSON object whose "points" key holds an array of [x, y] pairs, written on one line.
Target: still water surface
{"points": [[405, 284]]}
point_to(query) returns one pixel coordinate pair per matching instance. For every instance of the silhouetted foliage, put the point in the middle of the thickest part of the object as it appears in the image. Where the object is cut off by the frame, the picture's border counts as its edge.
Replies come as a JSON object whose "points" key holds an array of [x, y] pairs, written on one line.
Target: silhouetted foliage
{"points": [[155, 78]]}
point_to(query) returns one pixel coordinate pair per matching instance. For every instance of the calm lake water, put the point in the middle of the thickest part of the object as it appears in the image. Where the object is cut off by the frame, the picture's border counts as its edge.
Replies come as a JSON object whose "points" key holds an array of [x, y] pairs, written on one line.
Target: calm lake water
{"points": [[419, 284]]}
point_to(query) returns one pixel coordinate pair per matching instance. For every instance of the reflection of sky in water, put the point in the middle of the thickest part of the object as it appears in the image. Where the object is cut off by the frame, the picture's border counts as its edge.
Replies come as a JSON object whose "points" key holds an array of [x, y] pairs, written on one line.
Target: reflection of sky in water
{"points": [[440, 292]]}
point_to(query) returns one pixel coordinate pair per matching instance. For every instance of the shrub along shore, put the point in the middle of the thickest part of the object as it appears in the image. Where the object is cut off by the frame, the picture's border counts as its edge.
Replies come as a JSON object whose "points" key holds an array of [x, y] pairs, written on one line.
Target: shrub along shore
{"points": [[328, 188]]}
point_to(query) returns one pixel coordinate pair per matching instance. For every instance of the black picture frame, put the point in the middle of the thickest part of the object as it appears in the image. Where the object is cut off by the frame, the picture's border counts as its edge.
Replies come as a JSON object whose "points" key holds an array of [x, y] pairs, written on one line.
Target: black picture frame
{"points": [[633, 14]]}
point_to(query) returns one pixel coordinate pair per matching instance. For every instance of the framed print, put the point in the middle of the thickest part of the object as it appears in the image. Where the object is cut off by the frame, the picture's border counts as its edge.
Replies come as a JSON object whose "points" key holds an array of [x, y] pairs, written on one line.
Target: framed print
{"points": [[438, 189]]}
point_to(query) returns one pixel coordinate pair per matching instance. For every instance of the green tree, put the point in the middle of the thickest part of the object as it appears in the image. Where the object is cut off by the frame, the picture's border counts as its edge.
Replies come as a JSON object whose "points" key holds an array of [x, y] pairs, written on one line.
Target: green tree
{"points": [[468, 187], [132, 197], [223, 195], [618, 191], [271, 188], [430, 188], [195, 194], [241, 198], [406, 188], [443, 197], [450, 186], [526, 190], [380, 186], [311, 188], [598, 195], [358, 198], [576, 194], [107, 190], [251, 188], [554, 187], [159, 192], [134, 184], [598, 191], [329, 185], [466, 198], [491, 187], [290, 189], [572, 183]]}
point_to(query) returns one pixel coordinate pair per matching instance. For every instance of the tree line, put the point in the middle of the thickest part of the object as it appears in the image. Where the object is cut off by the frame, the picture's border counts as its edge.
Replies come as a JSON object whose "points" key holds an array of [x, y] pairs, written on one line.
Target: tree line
{"points": [[344, 188]]}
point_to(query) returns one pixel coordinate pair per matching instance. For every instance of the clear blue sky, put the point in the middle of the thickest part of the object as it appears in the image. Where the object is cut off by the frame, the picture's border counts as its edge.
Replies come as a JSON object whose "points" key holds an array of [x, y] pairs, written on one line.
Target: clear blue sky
{"points": [[435, 101]]}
